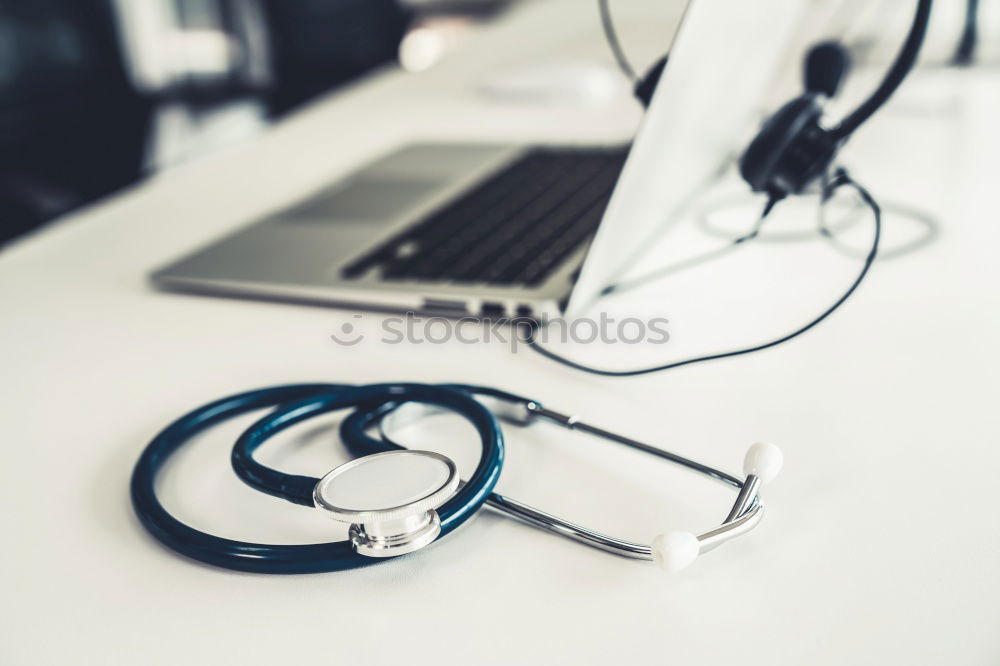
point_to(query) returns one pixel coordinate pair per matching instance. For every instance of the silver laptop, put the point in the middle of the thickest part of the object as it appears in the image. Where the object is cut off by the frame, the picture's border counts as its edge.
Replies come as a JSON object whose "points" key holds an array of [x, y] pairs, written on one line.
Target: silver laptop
{"points": [[507, 230]]}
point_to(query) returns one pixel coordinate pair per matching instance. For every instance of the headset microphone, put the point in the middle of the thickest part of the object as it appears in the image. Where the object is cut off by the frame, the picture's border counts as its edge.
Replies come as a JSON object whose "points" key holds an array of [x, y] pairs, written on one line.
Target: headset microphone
{"points": [[826, 65]]}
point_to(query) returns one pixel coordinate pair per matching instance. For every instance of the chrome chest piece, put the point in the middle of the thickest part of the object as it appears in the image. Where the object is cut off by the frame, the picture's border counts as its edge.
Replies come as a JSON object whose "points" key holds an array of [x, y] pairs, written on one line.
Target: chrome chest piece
{"points": [[389, 499]]}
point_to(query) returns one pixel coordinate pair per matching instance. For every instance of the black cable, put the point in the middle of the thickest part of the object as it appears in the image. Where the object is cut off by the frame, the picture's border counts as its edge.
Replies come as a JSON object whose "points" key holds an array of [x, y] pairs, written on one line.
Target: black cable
{"points": [[616, 48], [967, 43], [904, 62], [840, 179], [695, 260]]}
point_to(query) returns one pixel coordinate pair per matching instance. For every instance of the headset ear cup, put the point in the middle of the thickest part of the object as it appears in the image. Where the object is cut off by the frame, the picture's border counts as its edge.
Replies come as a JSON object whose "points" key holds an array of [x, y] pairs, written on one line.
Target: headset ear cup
{"points": [[761, 158], [790, 150]]}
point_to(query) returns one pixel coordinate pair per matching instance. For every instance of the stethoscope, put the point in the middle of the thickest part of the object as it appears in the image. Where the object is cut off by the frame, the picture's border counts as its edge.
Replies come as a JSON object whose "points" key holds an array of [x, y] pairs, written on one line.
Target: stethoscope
{"points": [[398, 500]]}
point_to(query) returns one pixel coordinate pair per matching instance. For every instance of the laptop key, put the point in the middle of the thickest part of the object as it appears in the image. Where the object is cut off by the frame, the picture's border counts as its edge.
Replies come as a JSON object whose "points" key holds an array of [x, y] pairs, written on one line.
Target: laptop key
{"points": [[513, 229]]}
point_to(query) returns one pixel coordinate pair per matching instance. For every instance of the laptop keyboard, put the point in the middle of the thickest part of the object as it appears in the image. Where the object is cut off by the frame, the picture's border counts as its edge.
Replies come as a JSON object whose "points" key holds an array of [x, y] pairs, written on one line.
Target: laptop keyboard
{"points": [[513, 229]]}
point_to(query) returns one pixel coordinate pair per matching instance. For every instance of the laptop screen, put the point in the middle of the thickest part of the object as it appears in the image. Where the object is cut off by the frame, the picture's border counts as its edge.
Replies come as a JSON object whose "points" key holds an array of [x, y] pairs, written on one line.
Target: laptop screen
{"points": [[719, 70]]}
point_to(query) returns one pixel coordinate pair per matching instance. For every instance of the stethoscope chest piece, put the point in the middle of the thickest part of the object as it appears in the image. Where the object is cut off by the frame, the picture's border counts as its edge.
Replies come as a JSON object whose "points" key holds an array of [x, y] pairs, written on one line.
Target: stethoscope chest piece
{"points": [[389, 499]]}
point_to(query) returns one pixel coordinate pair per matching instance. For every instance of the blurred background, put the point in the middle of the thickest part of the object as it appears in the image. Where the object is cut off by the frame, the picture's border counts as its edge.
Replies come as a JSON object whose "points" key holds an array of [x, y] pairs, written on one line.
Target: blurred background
{"points": [[97, 94]]}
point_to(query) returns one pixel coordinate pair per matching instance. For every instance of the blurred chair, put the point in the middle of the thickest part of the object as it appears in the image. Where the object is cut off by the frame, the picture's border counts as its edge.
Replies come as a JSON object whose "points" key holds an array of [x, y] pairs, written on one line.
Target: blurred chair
{"points": [[319, 44], [204, 64], [95, 93], [72, 127]]}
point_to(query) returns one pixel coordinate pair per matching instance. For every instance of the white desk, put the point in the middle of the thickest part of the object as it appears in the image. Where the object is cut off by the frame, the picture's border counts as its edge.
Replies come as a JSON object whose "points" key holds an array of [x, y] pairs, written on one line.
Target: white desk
{"points": [[880, 544]]}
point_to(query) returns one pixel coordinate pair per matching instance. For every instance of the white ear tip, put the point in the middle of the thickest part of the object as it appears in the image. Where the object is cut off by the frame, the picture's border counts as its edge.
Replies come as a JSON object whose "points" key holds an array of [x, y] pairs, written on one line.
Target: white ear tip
{"points": [[675, 550], [763, 461]]}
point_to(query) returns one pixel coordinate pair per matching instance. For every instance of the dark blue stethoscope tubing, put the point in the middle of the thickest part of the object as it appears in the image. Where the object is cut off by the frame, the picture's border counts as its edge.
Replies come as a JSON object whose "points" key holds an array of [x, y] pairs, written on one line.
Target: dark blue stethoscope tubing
{"points": [[354, 427], [299, 489], [303, 401]]}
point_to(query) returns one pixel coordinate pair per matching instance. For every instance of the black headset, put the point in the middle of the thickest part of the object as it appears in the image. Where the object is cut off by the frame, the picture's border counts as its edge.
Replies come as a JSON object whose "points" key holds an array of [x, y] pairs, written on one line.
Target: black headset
{"points": [[792, 149]]}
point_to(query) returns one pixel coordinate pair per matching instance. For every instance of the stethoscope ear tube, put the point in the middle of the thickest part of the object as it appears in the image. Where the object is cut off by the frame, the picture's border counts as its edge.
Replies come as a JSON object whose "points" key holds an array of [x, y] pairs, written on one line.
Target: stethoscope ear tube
{"points": [[672, 550]]}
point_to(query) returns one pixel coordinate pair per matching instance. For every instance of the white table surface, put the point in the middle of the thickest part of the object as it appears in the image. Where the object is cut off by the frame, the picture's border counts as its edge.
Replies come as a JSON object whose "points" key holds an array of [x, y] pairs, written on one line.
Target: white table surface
{"points": [[879, 546]]}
